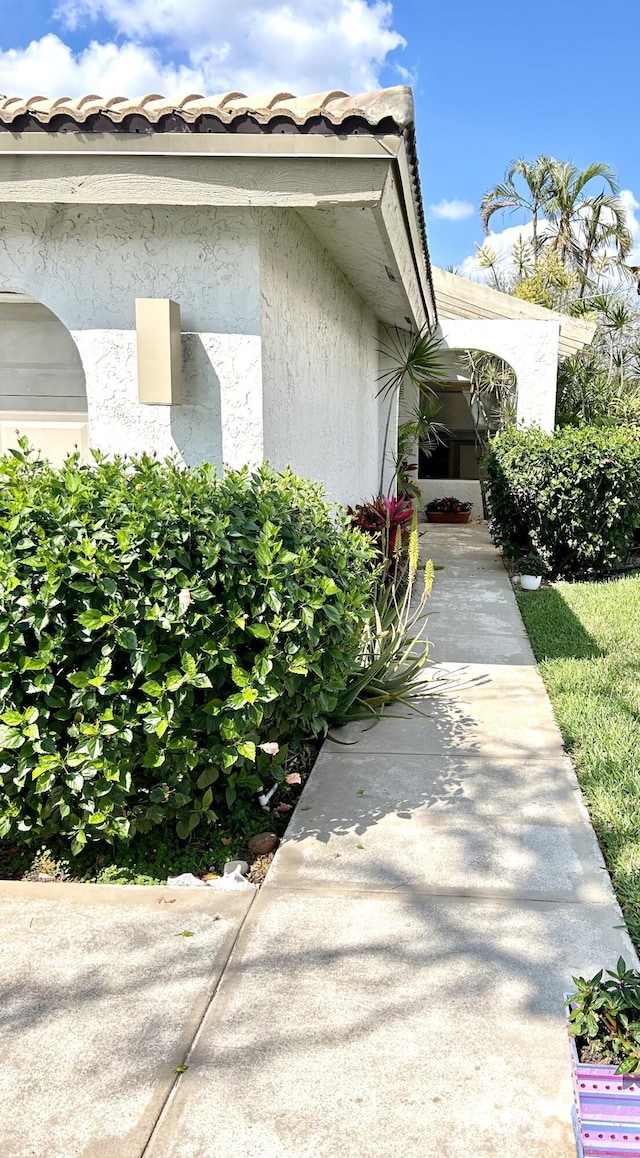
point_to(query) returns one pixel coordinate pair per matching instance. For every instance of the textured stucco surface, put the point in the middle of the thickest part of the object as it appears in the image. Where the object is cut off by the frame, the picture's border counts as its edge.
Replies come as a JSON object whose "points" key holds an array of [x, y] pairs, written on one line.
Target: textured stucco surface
{"points": [[531, 348], [319, 363], [468, 490], [88, 265], [280, 353]]}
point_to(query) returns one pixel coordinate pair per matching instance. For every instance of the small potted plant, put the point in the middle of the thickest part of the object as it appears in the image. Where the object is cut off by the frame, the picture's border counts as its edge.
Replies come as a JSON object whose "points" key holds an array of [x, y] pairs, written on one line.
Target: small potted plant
{"points": [[603, 1018], [448, 510], [532, 568]]}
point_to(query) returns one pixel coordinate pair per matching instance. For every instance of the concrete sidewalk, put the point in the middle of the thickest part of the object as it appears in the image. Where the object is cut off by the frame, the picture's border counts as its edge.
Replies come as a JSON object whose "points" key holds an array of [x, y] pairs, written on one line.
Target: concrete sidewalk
{"points": [[397, 986]]}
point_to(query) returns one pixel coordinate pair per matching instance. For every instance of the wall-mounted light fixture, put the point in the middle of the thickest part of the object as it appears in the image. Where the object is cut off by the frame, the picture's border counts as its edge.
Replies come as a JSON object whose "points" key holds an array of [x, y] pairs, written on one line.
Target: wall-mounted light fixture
{"points": [[159, 352]]}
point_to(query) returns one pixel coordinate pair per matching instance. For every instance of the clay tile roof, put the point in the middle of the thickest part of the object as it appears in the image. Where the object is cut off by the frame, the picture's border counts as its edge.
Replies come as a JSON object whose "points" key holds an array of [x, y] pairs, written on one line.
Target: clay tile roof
{"points": [[391, 105]]}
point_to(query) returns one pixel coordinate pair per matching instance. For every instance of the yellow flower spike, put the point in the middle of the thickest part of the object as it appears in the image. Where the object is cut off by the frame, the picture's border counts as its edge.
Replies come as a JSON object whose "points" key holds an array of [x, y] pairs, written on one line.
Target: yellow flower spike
{"points": [[429, 574], [414, 548]]}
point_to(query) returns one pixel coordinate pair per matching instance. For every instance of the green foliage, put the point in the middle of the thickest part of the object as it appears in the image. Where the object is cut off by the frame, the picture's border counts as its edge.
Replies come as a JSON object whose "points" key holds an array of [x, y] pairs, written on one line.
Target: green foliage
{"points": [[531, 564], [419, 361], [157, 626], [422, 429], [388, 670], [605, 1015], [573, 496], [549, 284]]}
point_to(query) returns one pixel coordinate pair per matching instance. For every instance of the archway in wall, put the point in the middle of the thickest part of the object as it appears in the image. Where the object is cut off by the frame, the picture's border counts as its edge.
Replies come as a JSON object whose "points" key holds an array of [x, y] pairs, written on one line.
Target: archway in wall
{"points": [[42, 383], [478, 394], [478, 397]]}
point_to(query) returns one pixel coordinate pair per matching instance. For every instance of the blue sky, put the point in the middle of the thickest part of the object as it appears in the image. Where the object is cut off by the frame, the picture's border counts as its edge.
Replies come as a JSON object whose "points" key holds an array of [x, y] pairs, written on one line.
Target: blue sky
{"points": [[491, 82]]}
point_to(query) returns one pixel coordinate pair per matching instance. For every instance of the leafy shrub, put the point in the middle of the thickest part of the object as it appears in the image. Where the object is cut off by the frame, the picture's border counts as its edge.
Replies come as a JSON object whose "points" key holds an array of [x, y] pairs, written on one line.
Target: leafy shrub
{"points": [[531, 564], [573, 497], [605, 1018], [158, 625]]}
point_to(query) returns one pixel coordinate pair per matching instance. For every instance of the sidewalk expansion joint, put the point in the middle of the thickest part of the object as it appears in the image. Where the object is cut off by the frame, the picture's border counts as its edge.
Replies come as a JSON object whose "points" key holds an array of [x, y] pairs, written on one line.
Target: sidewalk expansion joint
{"points": [[165, 1105]]}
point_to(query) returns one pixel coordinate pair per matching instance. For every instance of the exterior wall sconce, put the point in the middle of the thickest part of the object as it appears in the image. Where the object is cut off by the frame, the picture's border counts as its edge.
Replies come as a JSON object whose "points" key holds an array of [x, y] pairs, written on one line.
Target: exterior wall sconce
{"points": [[159, 352]]}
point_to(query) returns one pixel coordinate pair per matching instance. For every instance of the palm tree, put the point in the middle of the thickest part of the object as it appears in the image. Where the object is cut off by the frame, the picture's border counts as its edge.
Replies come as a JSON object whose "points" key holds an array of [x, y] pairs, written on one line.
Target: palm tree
{"points": [[569, 203], [603, 224], [418, 360], [534, 198]]}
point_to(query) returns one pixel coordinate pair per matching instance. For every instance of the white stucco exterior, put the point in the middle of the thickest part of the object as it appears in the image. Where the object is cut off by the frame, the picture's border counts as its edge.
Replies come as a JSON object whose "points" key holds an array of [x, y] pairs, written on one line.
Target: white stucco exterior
{"points": [[89, 264], [319, 363], [280, 353], [530, 348], [290, 234]]}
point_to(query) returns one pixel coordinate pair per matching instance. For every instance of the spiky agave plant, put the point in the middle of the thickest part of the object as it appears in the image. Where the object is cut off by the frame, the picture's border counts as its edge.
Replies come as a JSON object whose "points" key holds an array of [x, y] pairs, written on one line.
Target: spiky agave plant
{"points": [[393, 650]]}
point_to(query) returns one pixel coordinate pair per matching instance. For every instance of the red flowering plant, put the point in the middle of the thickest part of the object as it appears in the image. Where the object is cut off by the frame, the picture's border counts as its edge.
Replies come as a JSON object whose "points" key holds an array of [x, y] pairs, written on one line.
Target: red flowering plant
{"points": [[387, 520], [449, 506]]}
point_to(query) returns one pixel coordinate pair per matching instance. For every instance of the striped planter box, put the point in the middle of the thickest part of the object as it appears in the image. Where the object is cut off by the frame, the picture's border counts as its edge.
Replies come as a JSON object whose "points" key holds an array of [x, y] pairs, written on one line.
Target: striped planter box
{"points": [[606, 1118]]}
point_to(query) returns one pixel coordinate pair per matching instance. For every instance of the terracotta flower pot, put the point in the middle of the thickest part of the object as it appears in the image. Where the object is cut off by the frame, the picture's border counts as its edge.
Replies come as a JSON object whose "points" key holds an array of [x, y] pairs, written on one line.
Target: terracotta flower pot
{"points": [[448, 516], [606, 1116]]}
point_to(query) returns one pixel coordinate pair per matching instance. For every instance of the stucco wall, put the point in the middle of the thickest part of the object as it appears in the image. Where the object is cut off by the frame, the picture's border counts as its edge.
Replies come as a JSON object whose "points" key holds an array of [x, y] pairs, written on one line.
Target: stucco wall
{"points": [[530, 348], [88, 264], [319, 364]]}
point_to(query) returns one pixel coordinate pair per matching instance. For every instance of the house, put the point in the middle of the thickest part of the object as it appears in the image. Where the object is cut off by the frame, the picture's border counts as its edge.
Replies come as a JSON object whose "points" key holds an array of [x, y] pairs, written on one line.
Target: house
{"points": [[529, 339], [214, 278]]}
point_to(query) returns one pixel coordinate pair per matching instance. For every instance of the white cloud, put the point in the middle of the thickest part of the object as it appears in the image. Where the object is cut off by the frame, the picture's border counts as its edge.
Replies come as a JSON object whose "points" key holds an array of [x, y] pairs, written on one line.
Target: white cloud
{"points": [[250, 45], [452, 210], [48, 67]]}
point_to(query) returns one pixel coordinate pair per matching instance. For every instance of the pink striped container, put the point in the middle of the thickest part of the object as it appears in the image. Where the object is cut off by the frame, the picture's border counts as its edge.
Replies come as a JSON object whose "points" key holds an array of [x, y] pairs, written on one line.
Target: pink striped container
{"points": [[607, 1110]]}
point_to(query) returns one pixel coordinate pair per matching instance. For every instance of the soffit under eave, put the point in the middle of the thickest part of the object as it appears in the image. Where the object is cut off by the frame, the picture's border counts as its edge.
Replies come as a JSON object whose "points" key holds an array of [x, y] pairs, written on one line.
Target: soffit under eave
{"points": [[352, 238]]}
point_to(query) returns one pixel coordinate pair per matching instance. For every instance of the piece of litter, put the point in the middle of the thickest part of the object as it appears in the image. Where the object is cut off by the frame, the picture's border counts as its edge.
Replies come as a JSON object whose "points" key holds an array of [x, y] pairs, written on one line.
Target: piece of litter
{"points": [[265, 797], [185, 881], [231, 882]]}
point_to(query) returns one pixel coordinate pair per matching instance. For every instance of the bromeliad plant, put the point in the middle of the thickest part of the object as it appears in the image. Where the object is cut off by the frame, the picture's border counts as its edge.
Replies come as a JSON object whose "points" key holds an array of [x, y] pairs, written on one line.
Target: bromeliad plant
{"points": [[604, 1017], [387, 521]]}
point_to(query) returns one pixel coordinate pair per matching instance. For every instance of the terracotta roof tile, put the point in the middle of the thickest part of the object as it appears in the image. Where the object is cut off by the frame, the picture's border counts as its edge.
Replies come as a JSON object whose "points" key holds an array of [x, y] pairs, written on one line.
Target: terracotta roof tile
{"points": [[394, 104]]}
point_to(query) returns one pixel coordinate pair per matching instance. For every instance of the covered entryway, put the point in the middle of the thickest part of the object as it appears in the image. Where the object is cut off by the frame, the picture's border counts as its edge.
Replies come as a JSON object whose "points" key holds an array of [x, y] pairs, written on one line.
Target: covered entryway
{"points": [[42, 384], [525, 339]]}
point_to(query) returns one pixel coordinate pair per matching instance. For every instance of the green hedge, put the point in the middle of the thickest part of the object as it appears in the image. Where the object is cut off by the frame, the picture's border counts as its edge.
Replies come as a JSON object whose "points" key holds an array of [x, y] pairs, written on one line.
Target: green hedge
{"points": [[158, 625], [572, 496]]}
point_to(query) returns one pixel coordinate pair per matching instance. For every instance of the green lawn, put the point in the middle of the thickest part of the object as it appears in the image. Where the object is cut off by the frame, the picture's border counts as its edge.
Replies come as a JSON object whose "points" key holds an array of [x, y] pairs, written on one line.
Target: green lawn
{"points": [[586, 638]]}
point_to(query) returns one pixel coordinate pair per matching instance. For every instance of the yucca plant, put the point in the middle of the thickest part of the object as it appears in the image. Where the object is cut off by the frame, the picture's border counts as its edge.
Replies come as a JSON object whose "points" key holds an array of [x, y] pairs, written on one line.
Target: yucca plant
{"points": [[388, 670]]}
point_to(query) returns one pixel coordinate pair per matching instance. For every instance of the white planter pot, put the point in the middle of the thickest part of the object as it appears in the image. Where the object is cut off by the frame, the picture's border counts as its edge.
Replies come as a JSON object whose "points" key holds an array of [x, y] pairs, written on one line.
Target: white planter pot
{"points": [[530, 582]]}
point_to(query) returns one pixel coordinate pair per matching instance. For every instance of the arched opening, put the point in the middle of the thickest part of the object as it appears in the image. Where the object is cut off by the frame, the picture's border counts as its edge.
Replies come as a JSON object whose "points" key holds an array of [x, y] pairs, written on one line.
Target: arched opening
{"points": [[443, 432], [42, 383], [478, 398]]}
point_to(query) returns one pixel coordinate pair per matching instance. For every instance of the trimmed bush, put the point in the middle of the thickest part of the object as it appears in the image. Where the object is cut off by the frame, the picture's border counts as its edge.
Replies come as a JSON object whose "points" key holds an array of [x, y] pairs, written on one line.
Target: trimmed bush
{"points": [[573, 496], [157, 626]]}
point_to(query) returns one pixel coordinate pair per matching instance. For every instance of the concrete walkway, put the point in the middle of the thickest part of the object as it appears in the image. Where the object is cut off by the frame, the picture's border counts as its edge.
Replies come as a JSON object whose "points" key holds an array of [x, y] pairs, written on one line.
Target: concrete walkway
{"points": [[394, 990]]}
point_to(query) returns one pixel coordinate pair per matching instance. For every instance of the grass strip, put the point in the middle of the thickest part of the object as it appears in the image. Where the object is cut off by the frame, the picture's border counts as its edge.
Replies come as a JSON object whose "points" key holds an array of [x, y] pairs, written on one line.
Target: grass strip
{"points": [[586, 639]]}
